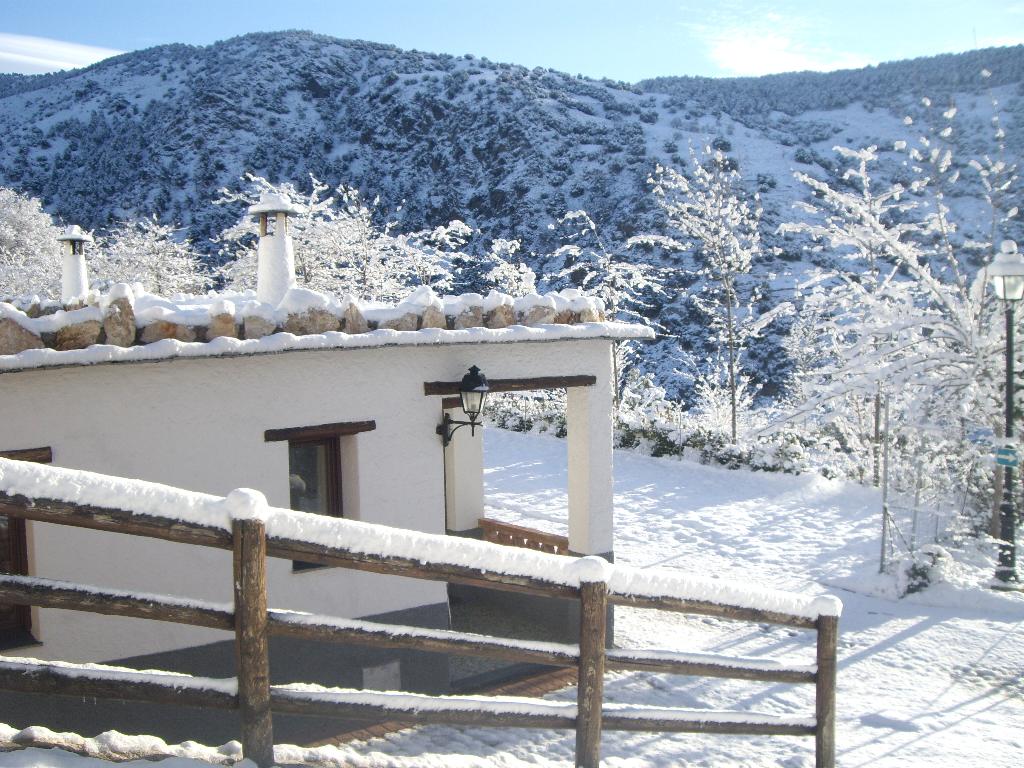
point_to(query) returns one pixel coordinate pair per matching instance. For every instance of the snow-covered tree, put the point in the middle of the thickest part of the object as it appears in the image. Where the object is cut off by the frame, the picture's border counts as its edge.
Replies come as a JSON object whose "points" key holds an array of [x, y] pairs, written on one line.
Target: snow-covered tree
{"points": [[30, 256], [587, 261], [903, 315], [151, 253], [709, 215], [507, 274], [340, 247]]}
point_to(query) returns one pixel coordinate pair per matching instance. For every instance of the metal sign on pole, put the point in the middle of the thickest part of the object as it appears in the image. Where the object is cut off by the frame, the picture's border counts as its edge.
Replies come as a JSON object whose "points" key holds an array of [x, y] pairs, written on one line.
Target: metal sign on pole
{"points": [[1006, 456]]}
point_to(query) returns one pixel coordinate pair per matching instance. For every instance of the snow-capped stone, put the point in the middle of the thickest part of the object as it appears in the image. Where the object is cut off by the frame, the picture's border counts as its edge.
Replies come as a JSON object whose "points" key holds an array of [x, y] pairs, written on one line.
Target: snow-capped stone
{"points": [[78, 335], [353, 320], [539, 314], [222, 324], [14, 338], [119, 320], [257, 326], [502, 316], [313, 320], [161, 330], [434, 317], [470, 317], [407, 322]]}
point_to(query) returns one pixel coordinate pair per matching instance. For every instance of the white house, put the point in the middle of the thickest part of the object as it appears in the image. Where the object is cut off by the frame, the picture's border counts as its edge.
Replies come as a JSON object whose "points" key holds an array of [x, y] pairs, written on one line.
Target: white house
{"points": [[323, 404]]}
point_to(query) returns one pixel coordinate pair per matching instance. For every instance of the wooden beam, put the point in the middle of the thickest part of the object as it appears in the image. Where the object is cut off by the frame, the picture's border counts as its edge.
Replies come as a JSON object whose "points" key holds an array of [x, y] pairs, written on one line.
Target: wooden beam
{"points": [[38, 455], [636, 661], [112, 520], [439, 641], [825, 695], [705, 608], [177, 690], [120, 521], [302, 703], [616, 722], [414, 568], [22, 590], [319, 431], [513, 385], [590, 689], [511, 535], [252, 651]]}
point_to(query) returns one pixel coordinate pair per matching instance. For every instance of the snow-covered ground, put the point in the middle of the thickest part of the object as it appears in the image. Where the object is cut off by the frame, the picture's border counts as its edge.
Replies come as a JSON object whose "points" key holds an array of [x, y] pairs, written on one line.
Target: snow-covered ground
{"points": [[934, 679]]}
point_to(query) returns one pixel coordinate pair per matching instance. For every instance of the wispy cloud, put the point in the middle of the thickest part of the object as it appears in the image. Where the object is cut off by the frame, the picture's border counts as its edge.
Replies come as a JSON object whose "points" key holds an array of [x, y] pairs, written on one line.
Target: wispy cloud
{"points": [[755, 39], [745, 51], [32, 55]]}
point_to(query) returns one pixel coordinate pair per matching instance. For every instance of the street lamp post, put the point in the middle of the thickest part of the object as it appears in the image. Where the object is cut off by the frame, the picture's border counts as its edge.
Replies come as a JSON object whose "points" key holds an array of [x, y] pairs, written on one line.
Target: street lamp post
{"points": [[1007, 274]]}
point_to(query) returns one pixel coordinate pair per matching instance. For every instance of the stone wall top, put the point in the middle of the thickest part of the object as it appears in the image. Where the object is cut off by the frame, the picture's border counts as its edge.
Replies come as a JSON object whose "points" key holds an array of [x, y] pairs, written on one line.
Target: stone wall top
{"points": [[127, 323]]}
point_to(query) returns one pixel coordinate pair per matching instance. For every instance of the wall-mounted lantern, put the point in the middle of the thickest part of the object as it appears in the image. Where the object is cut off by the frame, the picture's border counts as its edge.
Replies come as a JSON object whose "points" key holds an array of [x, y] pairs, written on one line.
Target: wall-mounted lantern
{"points": [[473, 392]]}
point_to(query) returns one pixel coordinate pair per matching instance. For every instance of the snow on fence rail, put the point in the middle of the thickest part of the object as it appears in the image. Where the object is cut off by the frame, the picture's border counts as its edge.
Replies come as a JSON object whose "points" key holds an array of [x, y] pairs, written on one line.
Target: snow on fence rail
{"points": [[244, 523]]}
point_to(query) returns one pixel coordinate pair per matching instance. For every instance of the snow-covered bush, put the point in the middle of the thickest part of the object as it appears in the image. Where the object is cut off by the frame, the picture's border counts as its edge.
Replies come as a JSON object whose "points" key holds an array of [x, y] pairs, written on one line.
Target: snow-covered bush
{"points": [[150, 253], [341, 247], [919, 570], [30, 260]]}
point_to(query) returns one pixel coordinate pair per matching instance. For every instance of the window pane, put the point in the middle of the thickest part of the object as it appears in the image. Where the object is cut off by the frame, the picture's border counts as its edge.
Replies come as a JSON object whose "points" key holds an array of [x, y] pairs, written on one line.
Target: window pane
{"points": [[13, 618], [307, 478]]}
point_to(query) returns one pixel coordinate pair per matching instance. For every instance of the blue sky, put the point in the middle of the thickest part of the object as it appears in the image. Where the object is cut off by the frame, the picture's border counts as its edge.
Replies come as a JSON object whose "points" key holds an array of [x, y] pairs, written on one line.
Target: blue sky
{"points": [[622, 39]]}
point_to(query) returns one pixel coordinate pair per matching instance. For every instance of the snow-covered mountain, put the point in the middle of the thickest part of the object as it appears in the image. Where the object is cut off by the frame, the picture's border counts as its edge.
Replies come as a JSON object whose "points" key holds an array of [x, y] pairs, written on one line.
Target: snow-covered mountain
{"points": [[504, 148], [500, 146]]}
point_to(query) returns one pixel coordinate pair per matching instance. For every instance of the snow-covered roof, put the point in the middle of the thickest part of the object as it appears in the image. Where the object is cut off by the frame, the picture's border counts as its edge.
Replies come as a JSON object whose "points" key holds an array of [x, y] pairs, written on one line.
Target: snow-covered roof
{"points": [[129, 325], [75, 233], [275, 202]]}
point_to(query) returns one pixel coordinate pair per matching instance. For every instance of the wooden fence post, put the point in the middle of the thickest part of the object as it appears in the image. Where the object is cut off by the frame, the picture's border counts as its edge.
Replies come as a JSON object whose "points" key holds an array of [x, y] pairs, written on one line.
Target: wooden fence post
{"points": [[251, 648], [590, 691], [825, 693]]}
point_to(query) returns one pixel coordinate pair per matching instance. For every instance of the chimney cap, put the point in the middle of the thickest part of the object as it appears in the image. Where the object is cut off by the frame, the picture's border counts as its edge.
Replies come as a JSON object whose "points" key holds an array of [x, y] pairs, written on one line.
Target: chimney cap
{"points": [[74, 234], [275, 202]]}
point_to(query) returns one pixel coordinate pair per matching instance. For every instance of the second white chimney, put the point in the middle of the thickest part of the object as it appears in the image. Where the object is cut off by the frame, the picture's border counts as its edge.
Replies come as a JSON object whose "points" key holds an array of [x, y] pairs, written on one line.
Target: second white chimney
{"points": [[74, 278], [275, 274]]}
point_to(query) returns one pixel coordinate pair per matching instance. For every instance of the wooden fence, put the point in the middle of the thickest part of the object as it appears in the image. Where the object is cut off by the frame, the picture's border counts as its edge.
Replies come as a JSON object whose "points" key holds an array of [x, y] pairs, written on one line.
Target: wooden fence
{"points": [[252, 622], [511, 535]]}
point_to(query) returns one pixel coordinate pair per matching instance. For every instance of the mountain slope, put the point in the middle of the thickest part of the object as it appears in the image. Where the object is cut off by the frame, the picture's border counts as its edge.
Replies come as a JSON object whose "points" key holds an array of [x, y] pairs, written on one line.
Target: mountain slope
{"points": [[504, 148]]}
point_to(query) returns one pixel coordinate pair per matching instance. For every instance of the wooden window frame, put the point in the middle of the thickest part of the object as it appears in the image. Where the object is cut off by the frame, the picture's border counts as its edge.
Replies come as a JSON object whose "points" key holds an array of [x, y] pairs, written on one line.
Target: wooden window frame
{"points": [[329, 436], [19, 633]]}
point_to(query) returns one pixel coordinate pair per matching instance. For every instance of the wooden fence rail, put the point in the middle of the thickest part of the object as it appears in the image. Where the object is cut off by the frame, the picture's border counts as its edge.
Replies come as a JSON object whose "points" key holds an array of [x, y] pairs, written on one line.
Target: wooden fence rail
{"points": [[511, 535], [252, 621]]}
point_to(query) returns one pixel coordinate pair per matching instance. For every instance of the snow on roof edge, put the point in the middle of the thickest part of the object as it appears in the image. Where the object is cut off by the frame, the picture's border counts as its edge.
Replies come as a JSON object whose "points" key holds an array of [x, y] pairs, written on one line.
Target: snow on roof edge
{"points": [[224, 346]]}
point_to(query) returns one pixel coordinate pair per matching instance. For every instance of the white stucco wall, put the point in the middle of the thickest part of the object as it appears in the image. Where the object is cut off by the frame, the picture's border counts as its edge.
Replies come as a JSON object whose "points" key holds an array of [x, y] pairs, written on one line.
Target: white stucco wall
{"points": [[198, 424]]}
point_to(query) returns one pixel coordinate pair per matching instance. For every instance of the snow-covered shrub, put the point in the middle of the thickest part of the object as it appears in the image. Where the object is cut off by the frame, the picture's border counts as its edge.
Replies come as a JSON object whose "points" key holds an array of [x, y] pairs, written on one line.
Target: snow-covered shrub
{"points": [[542, 412], [919, 570], [341, 245], [30, 261], [150, 253], [783, 451]]}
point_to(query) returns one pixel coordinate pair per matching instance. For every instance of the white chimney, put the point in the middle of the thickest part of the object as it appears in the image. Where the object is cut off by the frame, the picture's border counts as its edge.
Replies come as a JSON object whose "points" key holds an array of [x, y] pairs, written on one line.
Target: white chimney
{"points": [[275, 275], [74, 279]]}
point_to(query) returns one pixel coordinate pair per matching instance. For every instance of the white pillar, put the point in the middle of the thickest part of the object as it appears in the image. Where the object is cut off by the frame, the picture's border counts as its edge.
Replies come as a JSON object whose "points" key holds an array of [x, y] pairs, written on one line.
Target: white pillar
{"points": [[74, 280], [275, 274], [589, 425], [464, 477]]}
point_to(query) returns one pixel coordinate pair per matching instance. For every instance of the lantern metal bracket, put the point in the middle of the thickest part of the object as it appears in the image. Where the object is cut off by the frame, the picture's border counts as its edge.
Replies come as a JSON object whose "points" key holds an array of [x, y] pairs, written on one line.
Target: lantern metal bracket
{"points": [[448, 426]]}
